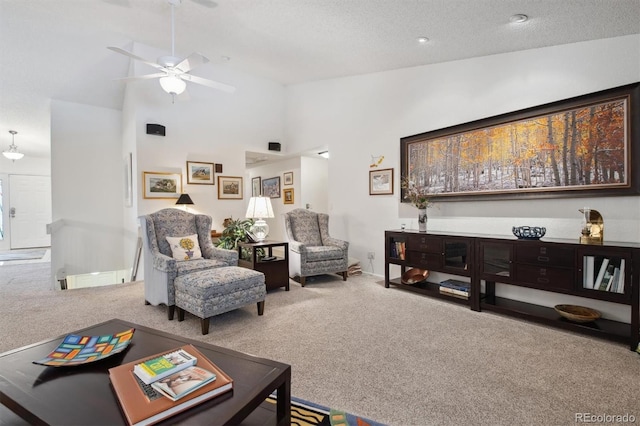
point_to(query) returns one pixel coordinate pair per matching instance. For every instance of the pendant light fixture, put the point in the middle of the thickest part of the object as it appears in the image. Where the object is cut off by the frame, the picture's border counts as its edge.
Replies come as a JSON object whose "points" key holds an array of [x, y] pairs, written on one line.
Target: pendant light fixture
{"points": [[13, 153]]}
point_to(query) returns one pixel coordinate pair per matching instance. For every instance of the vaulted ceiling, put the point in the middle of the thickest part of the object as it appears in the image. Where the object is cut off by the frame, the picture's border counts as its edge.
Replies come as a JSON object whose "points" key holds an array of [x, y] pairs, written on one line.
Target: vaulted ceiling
{"points": [[57, 49]]}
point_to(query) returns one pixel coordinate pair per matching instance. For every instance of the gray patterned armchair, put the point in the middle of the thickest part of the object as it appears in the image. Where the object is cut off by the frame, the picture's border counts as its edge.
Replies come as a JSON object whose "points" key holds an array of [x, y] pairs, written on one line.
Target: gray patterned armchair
{"points": [[311, 250], [160, 268]]}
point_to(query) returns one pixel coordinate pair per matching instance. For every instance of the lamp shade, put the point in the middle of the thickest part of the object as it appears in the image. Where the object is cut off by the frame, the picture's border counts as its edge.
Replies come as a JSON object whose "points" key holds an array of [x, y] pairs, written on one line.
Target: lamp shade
{"points": [[259, 208], [184, 199], [13, 153]]}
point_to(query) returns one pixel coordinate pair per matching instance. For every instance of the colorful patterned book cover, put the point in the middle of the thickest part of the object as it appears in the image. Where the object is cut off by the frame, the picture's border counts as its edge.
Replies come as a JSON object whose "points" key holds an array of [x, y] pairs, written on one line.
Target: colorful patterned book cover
{"points": [[76, 350]]}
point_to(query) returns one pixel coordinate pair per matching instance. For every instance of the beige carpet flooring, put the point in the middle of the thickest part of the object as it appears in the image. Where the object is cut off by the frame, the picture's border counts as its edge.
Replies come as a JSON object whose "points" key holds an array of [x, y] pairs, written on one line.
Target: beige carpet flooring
{"points": [[386, 354]]}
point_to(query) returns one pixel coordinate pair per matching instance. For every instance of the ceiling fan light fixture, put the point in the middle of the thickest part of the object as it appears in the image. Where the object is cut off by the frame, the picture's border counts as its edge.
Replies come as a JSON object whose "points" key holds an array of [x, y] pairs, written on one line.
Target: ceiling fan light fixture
{"points": [[172, 84], [13, 154]]}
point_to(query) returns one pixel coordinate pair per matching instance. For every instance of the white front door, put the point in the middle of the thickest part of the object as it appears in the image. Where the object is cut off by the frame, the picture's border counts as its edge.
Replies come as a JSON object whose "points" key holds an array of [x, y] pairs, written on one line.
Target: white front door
{"points": [[29, 210]]}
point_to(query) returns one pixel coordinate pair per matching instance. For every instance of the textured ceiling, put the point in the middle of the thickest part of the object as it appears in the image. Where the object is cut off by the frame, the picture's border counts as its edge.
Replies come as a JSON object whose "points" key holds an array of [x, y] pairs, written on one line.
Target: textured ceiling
{"points": [[56, 49]]}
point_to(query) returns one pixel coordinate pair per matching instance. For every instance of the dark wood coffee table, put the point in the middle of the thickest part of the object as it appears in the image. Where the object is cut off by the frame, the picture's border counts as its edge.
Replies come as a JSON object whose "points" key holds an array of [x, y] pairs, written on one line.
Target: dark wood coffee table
{"points": [[83, 395]]}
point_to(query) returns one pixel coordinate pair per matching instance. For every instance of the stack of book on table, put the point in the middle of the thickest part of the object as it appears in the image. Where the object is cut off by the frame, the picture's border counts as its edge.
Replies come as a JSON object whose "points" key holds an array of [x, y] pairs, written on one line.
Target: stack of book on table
{"points": [[155, 388], [455, 288]]}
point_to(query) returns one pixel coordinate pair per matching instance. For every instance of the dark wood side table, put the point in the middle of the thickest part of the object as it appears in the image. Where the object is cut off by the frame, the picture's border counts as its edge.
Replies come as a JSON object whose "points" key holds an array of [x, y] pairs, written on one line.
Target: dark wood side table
{"points": [[276, 271]]}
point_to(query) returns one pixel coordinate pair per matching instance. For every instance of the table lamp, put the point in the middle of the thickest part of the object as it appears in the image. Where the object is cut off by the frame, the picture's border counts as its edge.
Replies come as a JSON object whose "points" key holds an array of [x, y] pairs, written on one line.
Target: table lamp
{"points": [[259, 208], [184, 200]]}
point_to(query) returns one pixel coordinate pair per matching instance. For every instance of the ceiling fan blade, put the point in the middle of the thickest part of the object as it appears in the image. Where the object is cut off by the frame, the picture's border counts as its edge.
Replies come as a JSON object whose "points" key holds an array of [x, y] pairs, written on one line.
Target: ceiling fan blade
{"points": [[136, 57], [209, 83], [142, 77], [192, 61]]}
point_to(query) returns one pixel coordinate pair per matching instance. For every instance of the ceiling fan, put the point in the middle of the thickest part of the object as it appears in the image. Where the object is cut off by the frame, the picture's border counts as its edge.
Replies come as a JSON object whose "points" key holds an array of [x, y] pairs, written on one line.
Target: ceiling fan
{"points": [[174, 71]]}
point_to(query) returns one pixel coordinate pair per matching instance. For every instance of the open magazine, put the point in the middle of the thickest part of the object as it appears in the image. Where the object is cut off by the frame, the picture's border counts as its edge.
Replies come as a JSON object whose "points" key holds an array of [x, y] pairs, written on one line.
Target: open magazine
{"points": [[183, 382]]}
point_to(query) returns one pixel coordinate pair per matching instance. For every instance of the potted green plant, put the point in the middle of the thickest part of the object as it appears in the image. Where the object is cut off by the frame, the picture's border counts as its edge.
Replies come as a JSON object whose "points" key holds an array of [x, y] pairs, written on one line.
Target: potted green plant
{"points": [[235, 230]]}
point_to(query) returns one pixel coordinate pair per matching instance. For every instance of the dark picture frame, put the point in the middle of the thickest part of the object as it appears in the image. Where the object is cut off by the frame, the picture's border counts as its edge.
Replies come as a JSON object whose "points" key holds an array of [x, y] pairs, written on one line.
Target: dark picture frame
{"points": [[271, 187], [256, 187], [381, 182], [582, 146]]}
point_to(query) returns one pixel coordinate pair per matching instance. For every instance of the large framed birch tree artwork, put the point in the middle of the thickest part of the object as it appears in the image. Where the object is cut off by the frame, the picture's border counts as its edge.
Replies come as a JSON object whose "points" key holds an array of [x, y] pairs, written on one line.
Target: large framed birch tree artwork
{"points": [[583, 146]]}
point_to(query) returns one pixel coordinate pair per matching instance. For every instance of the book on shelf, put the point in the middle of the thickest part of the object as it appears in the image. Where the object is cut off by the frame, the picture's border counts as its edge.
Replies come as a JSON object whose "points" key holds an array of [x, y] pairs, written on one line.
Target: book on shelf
{"points": [[142, 406], [588, 278], [455, 293], [456, 284], [606, 279], [164, 365], [620, 282], [398, 250], [455, 288], [183, 382], [601, 272]]}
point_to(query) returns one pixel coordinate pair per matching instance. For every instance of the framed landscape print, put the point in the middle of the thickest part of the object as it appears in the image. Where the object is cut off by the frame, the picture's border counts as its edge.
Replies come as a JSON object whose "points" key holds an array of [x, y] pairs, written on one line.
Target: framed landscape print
{"points": [[578, 147], [288, 178], [229, 188], [288, 195], [200, 173], [161, 185], [271, 187], [256, 187], [381, 182]]}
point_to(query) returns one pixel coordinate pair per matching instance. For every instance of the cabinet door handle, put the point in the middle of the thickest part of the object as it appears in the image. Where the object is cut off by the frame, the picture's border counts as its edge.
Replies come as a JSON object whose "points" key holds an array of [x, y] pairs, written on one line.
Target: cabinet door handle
{"points": [[543, 280], [543, 258]]}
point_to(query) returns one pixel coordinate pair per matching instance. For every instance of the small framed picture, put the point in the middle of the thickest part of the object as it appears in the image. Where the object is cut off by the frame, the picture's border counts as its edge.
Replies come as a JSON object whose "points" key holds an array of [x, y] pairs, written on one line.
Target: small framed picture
{"points": [[381, 182], [161, 185], [271, 187], [288, 195], [200, 173], [288, 178], [229, 188], [256, 187]]}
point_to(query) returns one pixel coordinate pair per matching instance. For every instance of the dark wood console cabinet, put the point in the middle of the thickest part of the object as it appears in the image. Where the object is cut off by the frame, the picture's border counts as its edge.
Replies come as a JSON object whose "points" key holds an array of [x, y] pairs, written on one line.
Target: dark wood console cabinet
{"points": [[555, 266]]}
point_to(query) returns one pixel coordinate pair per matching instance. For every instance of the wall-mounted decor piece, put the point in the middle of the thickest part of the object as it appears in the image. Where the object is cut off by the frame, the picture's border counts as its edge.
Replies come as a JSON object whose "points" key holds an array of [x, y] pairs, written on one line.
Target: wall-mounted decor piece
{"points": [[288, 178], [381, 182], [256, 187], [576, 147], [200, 173], [161, 185], [218, 168], [288, 195], [229, 188], [271, 187]]}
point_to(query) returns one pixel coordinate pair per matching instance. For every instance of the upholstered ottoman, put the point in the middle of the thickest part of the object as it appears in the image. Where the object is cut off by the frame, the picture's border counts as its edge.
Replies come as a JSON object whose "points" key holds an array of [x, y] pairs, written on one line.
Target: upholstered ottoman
{"points": [[218, 290]]}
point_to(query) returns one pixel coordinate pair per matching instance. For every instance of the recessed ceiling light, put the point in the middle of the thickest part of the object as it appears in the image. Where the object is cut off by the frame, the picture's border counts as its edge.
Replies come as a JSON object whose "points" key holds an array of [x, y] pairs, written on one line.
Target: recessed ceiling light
{"points": [[519, 18], [423, 40]]}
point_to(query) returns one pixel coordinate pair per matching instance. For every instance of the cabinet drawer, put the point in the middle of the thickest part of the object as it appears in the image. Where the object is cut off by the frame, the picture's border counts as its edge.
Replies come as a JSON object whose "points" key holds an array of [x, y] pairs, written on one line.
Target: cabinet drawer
{"points": [[423, 259], [545, 278], [424, 243], [547, 255]]}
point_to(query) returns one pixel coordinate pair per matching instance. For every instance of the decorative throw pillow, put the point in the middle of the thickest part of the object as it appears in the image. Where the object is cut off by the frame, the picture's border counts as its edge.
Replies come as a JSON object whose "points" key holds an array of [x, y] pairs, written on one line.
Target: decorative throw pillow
{"points": [[185, 248]]}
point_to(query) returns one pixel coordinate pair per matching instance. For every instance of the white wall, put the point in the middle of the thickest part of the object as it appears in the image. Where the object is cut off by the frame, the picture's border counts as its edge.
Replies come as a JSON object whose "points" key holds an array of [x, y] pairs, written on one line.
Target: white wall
{"points": [[312, 186], [87, 188], [363, 116]]}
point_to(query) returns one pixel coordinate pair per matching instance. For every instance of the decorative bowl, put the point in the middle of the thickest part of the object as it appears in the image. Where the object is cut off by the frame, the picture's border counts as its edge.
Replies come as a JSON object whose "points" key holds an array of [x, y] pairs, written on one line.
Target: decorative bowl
{"points": [[529, 232], [414, 276], [577, 313]]}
